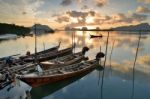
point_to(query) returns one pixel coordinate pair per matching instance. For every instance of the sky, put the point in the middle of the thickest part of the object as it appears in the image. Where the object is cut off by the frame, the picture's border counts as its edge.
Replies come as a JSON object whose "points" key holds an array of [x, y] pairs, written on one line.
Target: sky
{"points": [[75, 13]]}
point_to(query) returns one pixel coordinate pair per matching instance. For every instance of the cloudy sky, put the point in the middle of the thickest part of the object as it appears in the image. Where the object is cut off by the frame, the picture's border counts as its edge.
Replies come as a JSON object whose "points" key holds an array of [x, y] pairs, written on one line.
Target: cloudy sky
{"points": [[75, 13]]}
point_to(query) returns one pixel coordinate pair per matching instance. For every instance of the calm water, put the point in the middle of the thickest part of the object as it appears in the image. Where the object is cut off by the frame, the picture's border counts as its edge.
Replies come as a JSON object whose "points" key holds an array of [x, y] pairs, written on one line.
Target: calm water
{"points": [[118, 74]]}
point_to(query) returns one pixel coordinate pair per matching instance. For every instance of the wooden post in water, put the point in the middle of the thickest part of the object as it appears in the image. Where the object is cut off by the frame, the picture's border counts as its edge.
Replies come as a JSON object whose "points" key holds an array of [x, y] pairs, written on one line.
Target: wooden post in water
{"points": [[43, 45], [104, 67], [99, 63], [137, 50], [35, 44], [100, 51], [111, 55], [74, 42]]}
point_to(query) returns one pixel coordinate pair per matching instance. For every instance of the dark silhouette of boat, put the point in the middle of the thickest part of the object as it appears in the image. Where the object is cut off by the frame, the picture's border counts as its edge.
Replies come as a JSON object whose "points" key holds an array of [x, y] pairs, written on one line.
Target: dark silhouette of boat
{"points": [[96, 36]]}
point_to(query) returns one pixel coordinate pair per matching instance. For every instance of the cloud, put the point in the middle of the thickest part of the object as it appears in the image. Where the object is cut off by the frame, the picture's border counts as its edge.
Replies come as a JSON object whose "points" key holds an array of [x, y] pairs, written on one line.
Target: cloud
{"points": [[142, 9], [142, 63], [79, 1], [120, 19], [145, 1], [138, 17], [84, 7], [144, 60], [134, 17], [91, 17], [81, 16], [77, 14], [100, 3], [66, 2], [92, 13], [21, 12], [61, 19]]}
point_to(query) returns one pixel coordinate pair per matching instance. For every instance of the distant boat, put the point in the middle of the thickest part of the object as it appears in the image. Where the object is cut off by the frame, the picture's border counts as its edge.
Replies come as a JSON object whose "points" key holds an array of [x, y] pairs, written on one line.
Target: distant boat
{"points": [[53, 75], [30, 34], [8, 36], [96, 36]]}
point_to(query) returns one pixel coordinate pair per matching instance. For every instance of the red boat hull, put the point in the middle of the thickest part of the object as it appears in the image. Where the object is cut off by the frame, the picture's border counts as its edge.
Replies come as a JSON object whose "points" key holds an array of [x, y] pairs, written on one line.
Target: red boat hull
{"points": [[37, 81]]}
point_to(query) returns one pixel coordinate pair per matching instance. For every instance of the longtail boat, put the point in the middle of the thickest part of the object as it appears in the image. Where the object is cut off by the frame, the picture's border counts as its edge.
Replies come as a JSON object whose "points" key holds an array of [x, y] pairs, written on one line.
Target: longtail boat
{"points": [[53, 49], [20, 67], [65, 60], [14, 59], [68, 60], [48, 89], [49, 55], [53, 75]]}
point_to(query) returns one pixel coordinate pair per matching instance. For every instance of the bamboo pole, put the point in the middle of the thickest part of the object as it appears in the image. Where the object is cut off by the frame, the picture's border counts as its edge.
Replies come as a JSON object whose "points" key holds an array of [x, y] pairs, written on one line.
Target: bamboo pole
{"points": [[133, 71], [104, 67]]}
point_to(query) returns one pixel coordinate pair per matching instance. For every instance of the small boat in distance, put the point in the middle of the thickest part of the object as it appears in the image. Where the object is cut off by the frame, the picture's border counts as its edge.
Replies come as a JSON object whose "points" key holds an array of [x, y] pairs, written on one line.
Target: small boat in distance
{"points": [[53, 75], [96, 36]]}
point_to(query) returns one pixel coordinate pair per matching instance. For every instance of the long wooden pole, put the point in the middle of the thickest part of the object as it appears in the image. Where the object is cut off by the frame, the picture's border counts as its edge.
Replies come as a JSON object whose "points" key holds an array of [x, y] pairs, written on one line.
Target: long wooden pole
{"points": [[111, 56], [104, 67], [35, 44], [137, 50]]}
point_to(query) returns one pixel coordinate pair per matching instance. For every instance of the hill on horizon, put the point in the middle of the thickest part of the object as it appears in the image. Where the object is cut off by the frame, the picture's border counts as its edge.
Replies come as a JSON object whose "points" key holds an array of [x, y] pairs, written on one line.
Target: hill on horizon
{"points": [[142, 26]]}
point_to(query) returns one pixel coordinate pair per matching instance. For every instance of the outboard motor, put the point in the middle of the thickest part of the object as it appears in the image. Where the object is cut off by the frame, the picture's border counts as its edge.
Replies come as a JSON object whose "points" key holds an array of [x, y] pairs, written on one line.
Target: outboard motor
{"points": [[28, 53], [84, 50], [99, 55]]}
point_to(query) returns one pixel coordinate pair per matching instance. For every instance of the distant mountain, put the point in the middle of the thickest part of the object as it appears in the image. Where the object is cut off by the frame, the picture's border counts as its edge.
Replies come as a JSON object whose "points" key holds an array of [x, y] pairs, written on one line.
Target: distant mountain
{"points": [[142, 26], [42, 28], [13, 29]]}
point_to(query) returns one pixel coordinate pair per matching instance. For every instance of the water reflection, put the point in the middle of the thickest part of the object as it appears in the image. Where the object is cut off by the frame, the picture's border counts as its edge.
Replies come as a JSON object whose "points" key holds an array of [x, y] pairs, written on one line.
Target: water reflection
{"points": [[117, 81], [47, 90], [16, 90]]}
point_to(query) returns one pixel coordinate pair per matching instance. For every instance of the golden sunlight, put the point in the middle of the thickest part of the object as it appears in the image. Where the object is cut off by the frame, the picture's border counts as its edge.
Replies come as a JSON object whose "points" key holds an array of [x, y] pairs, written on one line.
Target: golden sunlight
{"points": [[74, 20], [89, 20]]}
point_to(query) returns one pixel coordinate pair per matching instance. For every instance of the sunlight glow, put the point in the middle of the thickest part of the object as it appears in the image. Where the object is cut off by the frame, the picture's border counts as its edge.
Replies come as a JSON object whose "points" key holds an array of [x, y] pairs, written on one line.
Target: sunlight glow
{"points": [[89, 20], [74, 20]]}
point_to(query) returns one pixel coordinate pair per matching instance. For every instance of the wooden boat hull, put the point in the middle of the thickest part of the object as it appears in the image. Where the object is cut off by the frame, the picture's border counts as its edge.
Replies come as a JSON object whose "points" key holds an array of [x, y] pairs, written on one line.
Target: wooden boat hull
{"points": [[40, 80], [53, 49], [50, 55], [53, 87], [46, 66]]}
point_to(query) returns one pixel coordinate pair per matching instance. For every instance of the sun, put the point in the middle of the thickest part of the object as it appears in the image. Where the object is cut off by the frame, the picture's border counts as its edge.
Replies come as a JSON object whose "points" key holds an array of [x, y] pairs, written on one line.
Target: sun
{"points": [[87, 26], [74, 20], [89, 20]]}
